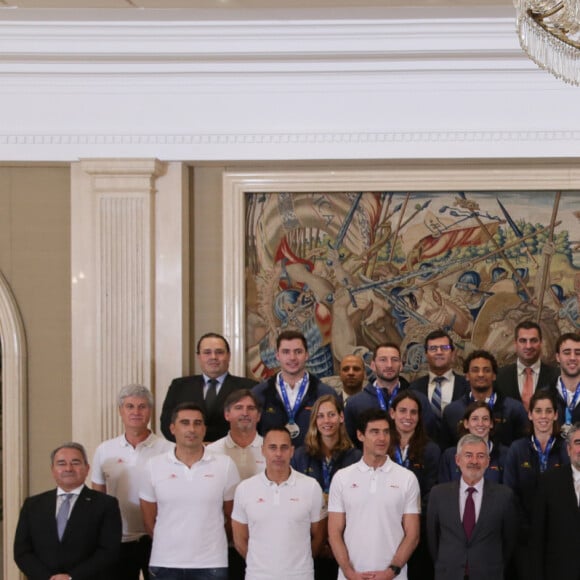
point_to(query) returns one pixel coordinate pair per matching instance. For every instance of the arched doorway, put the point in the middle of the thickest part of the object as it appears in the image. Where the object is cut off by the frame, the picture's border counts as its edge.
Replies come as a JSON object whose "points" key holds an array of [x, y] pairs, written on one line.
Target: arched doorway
{"points": [[14, 443]]}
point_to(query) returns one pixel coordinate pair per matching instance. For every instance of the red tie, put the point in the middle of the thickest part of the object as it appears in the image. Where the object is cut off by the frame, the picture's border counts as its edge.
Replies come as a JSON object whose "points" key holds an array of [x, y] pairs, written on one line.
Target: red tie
{"points": [[469, 513], [528, 389]]}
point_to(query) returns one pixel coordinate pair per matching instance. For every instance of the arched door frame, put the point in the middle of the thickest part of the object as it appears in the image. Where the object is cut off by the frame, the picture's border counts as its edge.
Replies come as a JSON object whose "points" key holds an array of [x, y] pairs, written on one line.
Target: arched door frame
{"points": [[14, 440]]}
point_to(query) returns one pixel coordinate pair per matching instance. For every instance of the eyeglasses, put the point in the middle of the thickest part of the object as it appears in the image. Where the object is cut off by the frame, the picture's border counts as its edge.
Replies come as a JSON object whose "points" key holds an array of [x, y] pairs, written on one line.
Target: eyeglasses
{"points": [[436, 347]]}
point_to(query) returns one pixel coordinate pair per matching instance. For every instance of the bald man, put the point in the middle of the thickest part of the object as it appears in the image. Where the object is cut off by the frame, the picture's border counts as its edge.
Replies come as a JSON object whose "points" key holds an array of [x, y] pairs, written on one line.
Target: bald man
{"points": [[352, 375]]}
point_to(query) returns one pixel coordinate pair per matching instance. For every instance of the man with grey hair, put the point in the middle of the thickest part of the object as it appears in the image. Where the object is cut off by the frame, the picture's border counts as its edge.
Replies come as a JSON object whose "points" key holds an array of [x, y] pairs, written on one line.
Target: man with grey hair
{"points": [[117, 467], [471, 523], [71, 531], [556, 518]]}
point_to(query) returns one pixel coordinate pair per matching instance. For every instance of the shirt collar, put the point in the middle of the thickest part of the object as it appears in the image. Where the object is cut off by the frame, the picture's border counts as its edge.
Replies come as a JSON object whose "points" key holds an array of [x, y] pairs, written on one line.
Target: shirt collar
{"points": [[362, 466], [478, 486], [291, 481], [535, 367], [207, 456], [145, 443], [575, 474], [231, 444], [76, 491], [219, 379], [448, 375]]}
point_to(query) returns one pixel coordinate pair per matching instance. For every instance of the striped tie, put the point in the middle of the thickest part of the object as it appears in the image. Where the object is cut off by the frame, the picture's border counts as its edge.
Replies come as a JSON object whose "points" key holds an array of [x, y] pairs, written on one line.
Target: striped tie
{"points": [[436, 398]]}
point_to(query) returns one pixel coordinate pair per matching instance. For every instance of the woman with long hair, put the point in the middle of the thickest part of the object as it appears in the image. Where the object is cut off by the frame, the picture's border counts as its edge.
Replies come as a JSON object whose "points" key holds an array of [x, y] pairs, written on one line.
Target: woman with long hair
{"points": [[528, 458], [412, 449], [477, 420], [327, 448]]}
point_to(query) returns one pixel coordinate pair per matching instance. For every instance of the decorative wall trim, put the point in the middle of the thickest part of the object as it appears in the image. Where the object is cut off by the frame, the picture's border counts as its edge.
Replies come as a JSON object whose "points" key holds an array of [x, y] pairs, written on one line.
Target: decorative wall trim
{"points": [[14, 421], [114, 281]]}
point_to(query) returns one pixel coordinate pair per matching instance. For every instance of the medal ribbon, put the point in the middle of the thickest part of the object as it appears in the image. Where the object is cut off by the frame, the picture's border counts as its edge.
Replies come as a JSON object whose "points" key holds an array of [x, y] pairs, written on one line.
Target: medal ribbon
{"points": [[402, 458], [543, 455], [291, 411], [569, 408], [490, 403], [381, 397], [327, 465]]}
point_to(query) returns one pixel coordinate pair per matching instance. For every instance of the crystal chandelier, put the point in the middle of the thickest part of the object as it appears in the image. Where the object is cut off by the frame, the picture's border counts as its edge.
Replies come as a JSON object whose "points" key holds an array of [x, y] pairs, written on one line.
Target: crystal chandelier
{"points": [[549, 32]]}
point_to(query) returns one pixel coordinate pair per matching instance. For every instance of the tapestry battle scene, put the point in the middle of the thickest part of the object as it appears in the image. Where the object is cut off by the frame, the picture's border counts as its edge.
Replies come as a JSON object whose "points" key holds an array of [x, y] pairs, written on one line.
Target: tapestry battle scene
{"points": [[352, 270]]}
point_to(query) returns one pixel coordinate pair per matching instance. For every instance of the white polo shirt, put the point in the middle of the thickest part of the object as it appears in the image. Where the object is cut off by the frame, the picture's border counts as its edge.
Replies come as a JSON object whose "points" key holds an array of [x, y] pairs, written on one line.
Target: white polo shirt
{"points": [[374, 501], [118, 465], [189, 530], [249, 460], [279, 519]]}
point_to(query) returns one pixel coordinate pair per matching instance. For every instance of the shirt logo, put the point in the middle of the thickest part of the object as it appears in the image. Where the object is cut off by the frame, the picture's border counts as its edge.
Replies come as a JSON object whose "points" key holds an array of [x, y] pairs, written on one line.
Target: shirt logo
{"points": [[354, 485], [209, 475], [260, 500], [294, 499]]}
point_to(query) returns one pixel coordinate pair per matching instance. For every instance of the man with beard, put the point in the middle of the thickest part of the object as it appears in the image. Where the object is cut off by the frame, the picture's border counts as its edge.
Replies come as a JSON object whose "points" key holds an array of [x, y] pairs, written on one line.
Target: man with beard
{"points": [[568, 385], [386, 365], [520, 380], [509, 416], [352, 375], [471, 523]]}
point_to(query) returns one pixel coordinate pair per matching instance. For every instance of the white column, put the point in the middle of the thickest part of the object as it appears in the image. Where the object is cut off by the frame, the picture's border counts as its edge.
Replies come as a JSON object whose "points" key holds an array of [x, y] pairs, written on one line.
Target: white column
{"points": [[113, 288]]}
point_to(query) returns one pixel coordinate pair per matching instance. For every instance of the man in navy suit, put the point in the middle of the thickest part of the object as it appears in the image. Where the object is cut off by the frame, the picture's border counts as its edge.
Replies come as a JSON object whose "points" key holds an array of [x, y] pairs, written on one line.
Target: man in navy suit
{"points": [[71, 531], [471, 523], [556, 518], [441, 386], [511, 379], [209, 390]]}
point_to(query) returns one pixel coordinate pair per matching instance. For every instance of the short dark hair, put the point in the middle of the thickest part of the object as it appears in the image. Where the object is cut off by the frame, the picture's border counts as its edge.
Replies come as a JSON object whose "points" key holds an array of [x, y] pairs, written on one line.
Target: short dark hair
{"points": [[187, 406], [480, 354], [278, 430], [573, 336], [239, 394], [370, 415], [70, 445], [291, 335], [527, 325], [439, 333], [212, 335], [386, 345], [545, 395]]}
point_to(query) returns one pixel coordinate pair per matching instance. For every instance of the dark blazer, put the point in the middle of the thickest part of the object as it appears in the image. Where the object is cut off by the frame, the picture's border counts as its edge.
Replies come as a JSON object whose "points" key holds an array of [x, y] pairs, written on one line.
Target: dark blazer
{"points": [[273, 409], [460, 386], [491, 543], [190, 390], [507, 379], [90, 544], [556, 527]]}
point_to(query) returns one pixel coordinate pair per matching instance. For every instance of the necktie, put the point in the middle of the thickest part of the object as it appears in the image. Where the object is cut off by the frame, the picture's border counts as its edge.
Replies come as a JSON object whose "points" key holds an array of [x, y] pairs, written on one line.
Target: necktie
{"points": [[469, 513], [211, 395], [436, 398], [528, 389], [62, 515]]}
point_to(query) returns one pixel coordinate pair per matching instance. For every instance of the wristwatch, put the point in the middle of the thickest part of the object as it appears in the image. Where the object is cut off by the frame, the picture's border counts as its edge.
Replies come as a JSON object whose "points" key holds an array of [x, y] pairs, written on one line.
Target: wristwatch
{"points": [[395, 569]]}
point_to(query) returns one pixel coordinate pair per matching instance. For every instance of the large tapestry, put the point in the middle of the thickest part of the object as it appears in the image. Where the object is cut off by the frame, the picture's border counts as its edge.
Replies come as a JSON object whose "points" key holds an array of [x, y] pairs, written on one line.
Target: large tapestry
{"points": [[351, 270]]}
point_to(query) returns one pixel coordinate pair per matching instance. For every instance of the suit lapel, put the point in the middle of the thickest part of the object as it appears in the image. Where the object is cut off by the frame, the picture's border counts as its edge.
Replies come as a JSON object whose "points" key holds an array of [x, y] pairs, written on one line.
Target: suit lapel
{"points": [[485, 510]]}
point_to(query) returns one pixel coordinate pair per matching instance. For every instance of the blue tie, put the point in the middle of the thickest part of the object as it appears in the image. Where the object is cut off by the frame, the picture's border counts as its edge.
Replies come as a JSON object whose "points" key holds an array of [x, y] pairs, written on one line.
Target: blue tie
{"points": [[62, 515], [436, 398]]}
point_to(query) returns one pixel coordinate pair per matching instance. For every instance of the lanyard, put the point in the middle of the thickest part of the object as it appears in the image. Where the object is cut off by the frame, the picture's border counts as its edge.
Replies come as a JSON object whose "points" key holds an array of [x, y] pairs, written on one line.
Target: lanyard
{"points": [[381, 397], [402, 457], [291, 411], [327, 465], [569, 408], [490, 403], [543, 455]]}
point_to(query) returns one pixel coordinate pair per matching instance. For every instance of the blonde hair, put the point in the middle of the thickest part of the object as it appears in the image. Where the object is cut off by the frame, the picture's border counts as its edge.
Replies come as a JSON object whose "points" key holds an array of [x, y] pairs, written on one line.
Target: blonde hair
{"points": [[313, 439]]}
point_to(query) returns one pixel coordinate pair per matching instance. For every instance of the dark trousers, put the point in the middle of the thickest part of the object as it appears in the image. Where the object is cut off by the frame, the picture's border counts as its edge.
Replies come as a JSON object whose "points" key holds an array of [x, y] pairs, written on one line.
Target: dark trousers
{"points": [[134, 559], [236, 565]]}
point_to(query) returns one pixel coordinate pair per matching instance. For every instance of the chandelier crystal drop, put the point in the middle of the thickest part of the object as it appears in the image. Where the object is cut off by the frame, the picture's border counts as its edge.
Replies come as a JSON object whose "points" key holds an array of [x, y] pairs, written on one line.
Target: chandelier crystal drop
{"points": [[549, 32]]}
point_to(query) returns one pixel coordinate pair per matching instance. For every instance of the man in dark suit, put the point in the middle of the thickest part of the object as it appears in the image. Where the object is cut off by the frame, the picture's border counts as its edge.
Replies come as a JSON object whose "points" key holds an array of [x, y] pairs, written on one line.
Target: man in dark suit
{"points": [[520, 380], [209, 390], [71, 531], [471, 523], [441, 386], [556, 518]]}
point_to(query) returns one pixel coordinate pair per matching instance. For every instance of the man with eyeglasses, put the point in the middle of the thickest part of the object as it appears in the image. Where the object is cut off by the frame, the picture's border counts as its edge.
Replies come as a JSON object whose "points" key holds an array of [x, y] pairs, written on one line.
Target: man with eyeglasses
{"points": [[441, 385], [209, 389]]}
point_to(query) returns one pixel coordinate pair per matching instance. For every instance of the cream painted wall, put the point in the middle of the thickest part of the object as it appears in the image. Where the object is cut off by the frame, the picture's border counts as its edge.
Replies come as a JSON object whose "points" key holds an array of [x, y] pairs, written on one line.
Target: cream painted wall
{"points": [[206, 299], [35, 259]]}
